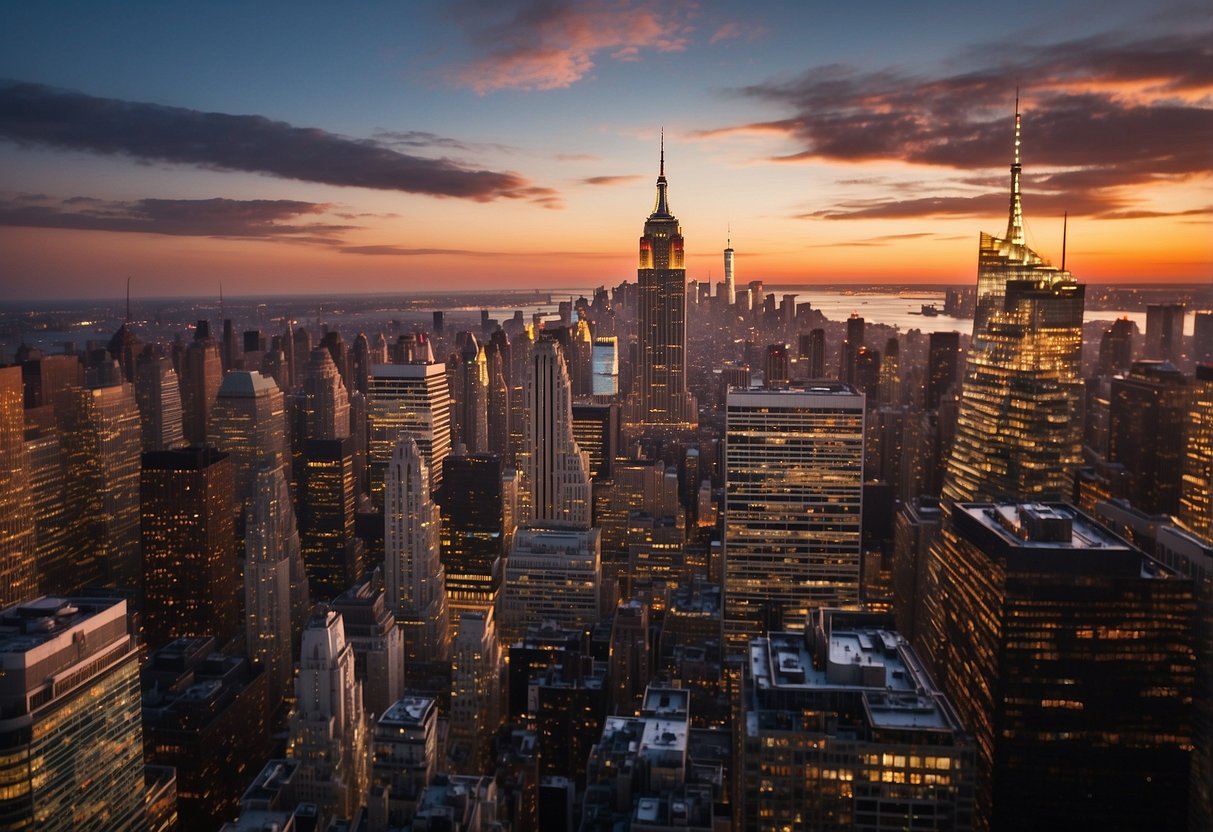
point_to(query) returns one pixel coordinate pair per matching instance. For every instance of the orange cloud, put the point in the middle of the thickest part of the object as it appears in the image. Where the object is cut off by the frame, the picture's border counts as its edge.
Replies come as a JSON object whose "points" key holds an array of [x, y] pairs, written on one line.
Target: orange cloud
{"points": [[548, 46]]}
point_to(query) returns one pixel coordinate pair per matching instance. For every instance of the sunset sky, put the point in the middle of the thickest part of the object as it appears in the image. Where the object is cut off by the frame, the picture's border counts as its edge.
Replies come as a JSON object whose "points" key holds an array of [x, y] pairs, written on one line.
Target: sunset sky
{"points": [[395, 147]]}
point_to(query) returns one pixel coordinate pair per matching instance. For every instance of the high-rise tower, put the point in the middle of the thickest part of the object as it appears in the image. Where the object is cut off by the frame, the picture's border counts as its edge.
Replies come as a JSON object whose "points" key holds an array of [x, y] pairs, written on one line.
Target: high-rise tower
{"points": [[659, 393], [556, 471], [730, 283], [18, 581], [1018, 429], [415, 581]]}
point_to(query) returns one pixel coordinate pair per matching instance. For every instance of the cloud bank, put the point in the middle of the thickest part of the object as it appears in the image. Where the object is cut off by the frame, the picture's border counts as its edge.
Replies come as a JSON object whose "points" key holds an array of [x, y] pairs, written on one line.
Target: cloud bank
{"points": [[39, 116]]}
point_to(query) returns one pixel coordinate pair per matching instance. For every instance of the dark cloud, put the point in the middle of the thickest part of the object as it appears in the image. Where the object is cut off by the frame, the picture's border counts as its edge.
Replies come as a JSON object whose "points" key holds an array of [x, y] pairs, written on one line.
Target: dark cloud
{"points": [[35, 115], [1100, 113], [404, 251], [611, 180], [229, 218]]}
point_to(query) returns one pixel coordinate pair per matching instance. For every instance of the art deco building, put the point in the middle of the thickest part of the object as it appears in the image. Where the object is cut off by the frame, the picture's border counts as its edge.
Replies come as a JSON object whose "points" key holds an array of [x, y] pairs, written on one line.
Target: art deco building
{"points": [[659, 397], [1196, 500], [18, 577], [414, 574], [470, 394], [248, 422], [1070, 656], [371, 629], [191, 579], [844, 729], [556, 475], [793, 505], [71, 753], [275, 584], [411, 399], [328, 728], [1018, 431]]}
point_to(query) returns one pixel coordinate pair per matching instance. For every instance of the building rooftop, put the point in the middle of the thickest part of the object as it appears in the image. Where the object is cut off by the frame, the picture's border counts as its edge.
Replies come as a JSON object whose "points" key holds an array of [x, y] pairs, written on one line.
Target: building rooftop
{"points": [[869, 660], [1051, 537], [243, 384], [411, 711]]}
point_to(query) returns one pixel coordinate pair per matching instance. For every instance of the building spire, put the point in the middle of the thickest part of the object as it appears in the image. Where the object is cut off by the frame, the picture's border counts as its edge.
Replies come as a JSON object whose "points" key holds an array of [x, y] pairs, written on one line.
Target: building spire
{"points": [[662, 206], [1015, 220], [1065, 221]]}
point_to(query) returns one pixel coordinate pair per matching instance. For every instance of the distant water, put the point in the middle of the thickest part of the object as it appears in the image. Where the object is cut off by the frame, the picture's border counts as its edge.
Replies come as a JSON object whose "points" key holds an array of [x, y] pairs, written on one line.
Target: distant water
{"points": [[903, 311]]}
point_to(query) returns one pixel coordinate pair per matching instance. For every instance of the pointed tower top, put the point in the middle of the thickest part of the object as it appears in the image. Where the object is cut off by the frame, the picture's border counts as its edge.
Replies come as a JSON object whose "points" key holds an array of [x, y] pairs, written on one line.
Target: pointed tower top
{"points": [[1015, 219], [662, 207]]}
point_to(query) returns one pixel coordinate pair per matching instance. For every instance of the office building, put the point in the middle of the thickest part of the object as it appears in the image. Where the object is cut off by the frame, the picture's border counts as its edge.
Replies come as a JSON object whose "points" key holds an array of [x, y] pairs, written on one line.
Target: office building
{"points": [[102, 443], [328, 728], [158, 394], [1196, 485], [205, 715], [248, 422], [379, 653], [332, 554], [1069, 655], [943, 355], [659, 398], [1164, 332], [596, 431], [71, 756], [191, 582], [1018, 425], [556, 477], [812, 354], [414, 575], [1148, 412], [18, 574], [275, 583], [914, 530], [605, 363], [201, 373], [1116, 348], [404, 754], [476, 659], [410, 399], [844, 729], [793, 505], [470, 396], [474, 533], [551, 574]]}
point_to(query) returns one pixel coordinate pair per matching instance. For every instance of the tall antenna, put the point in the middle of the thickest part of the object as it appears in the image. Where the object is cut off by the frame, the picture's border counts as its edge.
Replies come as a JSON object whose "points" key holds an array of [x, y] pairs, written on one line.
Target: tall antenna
{"points": [[1015, 220], [1065, 221], [662, 171]]}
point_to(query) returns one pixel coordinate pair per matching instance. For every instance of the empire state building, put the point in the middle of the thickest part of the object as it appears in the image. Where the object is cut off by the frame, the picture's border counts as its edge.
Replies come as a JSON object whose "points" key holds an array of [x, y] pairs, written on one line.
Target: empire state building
{"points": [[659, 398]]}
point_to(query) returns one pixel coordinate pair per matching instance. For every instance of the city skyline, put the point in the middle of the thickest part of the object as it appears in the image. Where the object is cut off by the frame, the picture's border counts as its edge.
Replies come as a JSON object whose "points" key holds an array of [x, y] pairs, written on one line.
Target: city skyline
{"points": [[482, 147]]}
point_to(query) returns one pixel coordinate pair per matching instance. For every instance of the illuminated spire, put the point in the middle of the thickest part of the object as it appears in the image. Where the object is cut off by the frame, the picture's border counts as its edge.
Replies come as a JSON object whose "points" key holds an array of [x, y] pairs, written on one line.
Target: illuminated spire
{"points": [[1015, 220], [662, 207]]}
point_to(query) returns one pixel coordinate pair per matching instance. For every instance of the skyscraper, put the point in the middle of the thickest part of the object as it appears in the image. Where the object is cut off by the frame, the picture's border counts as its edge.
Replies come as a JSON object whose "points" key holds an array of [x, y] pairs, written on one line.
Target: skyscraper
{"points": [[474, 533], [248, 422], [1164, 331], [71, 753], [410, 399], [730, 282], [470, 396], [18, 578], [103, 444], [275, 585], [190, 575], [555, 470], [659, 391], [416, 590], [1196, 500], [332, 553], [793, 505], [158, 393], [1069, 655], [201, 375], [1148, 414], [1018, 430], [943, 353], [328, 728]]}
